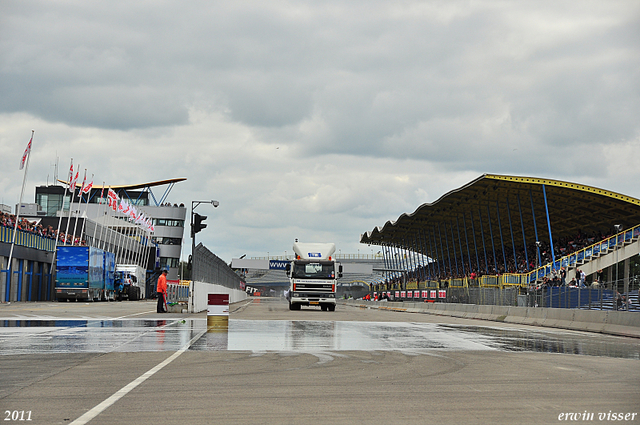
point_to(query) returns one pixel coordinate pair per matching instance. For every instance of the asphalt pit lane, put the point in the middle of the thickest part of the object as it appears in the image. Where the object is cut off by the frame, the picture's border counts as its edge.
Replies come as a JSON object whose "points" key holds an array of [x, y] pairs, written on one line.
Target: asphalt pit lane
{"points": [[286, 336], [559, 342]]}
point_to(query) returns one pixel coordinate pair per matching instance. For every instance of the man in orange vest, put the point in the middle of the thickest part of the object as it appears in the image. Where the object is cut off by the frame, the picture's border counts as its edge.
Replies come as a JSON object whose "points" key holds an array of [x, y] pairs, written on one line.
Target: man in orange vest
{"points": [[162, 291]]}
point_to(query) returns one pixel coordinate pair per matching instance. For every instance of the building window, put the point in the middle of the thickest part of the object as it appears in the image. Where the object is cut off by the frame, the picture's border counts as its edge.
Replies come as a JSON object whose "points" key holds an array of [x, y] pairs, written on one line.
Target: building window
{"points": [[169, 262], [50, 203], [167, 241], [168, 222]]}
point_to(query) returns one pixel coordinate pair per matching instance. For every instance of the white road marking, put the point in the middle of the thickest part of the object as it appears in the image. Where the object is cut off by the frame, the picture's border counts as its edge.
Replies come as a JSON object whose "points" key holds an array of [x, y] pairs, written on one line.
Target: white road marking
{"points": [[130, 315], [133, 384]]}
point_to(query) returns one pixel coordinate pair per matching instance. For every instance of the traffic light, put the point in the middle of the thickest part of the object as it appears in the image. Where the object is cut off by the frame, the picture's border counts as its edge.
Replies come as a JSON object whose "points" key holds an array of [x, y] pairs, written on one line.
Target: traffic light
{"points": [[198, 223]]}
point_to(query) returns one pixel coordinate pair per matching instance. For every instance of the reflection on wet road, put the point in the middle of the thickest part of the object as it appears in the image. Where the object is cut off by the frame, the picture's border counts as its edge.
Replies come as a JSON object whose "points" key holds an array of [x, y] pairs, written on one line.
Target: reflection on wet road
{"points": [[132, 335]]}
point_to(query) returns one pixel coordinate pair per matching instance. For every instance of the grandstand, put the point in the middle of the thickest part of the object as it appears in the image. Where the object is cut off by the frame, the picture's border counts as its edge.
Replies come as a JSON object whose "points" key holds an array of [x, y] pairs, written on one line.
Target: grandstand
{"points": [[509, 231]]}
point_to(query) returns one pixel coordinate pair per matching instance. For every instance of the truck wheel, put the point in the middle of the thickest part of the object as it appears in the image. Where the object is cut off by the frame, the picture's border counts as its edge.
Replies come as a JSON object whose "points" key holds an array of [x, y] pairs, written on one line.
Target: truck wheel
{"points": [[332, 307], [133, 293], [324, 307]]}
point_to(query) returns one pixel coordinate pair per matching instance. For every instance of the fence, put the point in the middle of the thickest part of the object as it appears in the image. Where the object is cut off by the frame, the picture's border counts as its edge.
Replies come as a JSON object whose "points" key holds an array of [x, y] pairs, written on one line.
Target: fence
{"points": [[209, 268], [178, 292], [603, 297], [30, 240]]}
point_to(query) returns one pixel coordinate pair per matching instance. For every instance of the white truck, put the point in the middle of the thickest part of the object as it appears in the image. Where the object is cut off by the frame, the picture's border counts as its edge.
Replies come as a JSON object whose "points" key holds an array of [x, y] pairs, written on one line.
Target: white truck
{"points": [[130, 282], [313, 276]]}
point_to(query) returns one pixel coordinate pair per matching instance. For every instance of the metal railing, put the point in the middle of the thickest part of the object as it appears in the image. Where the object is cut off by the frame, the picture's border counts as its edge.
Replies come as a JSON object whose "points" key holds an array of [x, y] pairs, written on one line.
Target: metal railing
{"points": [[209, 268], [30, 240], [178, 292]]}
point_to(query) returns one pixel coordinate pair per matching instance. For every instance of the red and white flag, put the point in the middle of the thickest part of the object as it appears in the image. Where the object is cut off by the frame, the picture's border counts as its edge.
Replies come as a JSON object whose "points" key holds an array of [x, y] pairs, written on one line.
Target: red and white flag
{"points": [[70, 175], [88, 187], [84, 180], [112, 199], [26, 153], [74, 181]]}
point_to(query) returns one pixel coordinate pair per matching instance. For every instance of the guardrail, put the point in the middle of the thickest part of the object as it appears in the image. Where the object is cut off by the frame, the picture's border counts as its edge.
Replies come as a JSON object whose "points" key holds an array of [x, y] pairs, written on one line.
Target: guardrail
{"points": [[586, 254], [30, 240], [178, 292]]}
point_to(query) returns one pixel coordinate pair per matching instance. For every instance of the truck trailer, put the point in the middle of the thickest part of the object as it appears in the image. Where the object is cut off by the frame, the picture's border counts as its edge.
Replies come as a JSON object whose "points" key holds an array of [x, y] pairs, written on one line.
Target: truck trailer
{"points": [[130, 282], [313, 276], [84, 273]]}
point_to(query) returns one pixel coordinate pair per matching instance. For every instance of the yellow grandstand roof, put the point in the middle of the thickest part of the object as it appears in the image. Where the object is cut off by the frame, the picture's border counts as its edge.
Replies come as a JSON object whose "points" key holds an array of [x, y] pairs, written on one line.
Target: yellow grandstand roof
{"points": [[498, 209]]}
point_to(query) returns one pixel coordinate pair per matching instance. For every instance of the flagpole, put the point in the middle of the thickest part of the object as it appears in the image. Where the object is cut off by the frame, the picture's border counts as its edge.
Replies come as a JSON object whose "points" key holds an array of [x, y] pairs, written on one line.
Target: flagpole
{"points": [[61, 214], [75, 225], [111, 235], [73, 195], [102, 216], [15, 225], [86, 207]]}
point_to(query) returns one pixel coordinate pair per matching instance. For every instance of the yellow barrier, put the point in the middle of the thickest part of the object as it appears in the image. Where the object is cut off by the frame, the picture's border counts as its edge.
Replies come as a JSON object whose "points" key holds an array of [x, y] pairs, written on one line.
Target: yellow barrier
{"points": [[511, 279], [458, 283], [489, 281]]}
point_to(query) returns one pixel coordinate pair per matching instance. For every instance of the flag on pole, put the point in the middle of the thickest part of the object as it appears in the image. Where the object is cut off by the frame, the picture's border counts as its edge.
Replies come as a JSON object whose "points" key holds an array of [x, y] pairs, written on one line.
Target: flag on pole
{"points": [[26, 153], [70, 174], [74, 181], [83, 181], [112, 199], [88, 187]]}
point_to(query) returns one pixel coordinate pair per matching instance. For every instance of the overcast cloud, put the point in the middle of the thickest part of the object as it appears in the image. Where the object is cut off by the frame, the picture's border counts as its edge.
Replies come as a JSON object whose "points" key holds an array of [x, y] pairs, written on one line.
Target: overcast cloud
{"points": [[318, 120]]}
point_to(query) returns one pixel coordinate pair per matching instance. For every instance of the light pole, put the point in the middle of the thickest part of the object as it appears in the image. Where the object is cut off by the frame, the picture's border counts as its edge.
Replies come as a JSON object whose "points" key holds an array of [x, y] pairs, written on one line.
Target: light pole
{"points": [[195, 229], [615, 295]]}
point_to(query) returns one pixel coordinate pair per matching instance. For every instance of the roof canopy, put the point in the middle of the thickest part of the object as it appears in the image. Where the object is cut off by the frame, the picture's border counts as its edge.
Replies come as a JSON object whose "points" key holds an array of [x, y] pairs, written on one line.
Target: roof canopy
{"points": [[506, 212]]}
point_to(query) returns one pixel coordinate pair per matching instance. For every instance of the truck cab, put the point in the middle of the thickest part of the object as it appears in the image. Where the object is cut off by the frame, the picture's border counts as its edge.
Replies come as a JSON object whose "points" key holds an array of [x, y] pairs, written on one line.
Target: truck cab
{"points": [[129, 282], [313, 276]]}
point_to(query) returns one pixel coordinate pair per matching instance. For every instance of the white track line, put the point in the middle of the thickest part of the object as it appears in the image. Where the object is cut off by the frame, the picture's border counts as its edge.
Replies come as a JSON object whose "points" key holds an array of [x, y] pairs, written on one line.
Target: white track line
{"points": [[130, 386]]}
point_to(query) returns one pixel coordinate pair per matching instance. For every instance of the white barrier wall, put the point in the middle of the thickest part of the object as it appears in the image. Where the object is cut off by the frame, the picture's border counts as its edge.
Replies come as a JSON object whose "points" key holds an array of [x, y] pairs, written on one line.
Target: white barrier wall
{"points": [[199, 292]]}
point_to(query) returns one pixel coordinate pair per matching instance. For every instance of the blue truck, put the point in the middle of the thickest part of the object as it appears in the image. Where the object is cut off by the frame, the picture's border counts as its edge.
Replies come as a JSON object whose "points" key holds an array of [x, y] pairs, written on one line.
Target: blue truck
{"points": [[84, 273]]}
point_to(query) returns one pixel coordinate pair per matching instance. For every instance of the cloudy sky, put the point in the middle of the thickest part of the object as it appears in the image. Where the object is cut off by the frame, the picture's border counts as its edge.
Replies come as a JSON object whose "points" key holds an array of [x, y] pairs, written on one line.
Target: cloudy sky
{"points": [[318, 120]]}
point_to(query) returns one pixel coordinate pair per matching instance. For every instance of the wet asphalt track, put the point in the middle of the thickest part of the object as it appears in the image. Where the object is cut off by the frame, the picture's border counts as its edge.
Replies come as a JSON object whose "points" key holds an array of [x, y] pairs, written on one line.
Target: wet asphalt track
{"points": [[60, 361]]}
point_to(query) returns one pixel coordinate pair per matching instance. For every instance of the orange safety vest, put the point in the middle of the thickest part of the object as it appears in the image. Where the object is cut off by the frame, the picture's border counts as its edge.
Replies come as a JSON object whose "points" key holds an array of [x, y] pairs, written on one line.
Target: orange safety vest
{"points": [[162, 284]]}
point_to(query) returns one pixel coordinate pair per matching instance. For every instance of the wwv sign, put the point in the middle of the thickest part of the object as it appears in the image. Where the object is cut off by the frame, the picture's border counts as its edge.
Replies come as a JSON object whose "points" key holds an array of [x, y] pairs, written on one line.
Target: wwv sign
{"points": [[278, 264]]}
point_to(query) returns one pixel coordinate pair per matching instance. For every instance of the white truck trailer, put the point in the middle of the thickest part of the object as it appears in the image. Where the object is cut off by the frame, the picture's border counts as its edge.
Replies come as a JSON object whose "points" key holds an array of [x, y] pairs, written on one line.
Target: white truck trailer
{"points": [[313, 276], [130, 282]]}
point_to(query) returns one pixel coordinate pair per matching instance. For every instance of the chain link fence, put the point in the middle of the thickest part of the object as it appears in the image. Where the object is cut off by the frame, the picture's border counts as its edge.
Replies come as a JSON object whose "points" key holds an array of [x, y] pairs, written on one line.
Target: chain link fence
{"points": [[608, 296], [209, 268]]}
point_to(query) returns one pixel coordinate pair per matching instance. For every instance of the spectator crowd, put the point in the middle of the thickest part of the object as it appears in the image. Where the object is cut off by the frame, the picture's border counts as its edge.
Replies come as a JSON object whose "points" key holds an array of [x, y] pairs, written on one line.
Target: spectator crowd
{"points": [[35, 228], [522, 263]]}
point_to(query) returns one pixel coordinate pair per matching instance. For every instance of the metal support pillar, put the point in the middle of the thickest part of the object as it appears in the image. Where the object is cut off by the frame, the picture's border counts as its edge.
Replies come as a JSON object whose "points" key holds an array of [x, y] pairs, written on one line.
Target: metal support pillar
{"points": [[504, 257], [493, 245], [524, 238], [484, 247], [546, 207], [535, 229]]}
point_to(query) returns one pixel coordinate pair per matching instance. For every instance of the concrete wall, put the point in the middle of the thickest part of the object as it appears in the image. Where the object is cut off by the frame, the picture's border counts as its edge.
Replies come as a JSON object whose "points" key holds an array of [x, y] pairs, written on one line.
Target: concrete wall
{"points": [[199, 295], [621, 323]]}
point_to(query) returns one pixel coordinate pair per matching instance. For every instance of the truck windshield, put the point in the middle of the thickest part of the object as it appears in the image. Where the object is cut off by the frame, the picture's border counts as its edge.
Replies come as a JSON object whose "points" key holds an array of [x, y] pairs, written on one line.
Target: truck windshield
{"points": [[318, 270]]}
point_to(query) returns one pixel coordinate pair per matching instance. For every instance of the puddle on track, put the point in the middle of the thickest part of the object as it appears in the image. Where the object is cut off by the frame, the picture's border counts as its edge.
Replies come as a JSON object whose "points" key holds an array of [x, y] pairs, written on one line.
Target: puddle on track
{"points": [[134, 335]]}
